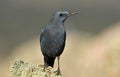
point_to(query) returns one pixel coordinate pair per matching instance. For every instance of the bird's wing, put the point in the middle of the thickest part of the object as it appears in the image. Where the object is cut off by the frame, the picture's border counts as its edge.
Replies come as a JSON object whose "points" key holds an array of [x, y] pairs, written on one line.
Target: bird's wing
{"points": [[42, 34]]}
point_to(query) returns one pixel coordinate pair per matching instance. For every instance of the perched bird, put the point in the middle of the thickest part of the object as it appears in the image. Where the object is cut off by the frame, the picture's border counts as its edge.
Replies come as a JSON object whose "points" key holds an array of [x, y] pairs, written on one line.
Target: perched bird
{"points": [[53, 37]]}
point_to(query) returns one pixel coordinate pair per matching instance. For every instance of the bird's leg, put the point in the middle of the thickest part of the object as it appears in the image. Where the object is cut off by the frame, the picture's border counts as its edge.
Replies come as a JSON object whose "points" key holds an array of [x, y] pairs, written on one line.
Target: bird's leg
{"points": [[58, 58], [58, 70], [45, 65]]}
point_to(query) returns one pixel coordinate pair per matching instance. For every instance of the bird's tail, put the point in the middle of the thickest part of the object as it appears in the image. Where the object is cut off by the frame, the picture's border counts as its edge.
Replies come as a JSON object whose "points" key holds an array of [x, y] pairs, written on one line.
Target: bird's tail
{"points": [[49, 61]]}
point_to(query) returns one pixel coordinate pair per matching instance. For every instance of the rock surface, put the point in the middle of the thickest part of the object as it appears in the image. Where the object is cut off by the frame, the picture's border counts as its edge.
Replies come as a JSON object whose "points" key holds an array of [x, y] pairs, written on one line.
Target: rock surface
{"points": [[20, 68]]}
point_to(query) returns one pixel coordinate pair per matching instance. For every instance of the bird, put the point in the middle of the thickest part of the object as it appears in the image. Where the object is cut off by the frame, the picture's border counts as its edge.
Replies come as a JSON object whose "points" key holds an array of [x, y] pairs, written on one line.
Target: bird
{"points": [[53, 37]]}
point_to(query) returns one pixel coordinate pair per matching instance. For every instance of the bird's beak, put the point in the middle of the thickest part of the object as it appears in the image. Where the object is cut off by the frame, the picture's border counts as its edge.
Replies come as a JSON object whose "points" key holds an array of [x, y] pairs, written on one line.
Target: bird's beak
{"points": [[73, 13]]}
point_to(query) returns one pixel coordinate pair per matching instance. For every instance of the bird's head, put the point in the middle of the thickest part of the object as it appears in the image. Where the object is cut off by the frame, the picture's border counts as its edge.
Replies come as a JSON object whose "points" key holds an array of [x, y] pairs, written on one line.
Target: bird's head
{"points": [[61, 16]]}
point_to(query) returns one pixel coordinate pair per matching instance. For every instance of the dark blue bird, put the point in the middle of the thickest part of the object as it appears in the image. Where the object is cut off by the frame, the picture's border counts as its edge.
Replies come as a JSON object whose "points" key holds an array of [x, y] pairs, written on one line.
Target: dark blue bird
{"points": [[53, 38]]}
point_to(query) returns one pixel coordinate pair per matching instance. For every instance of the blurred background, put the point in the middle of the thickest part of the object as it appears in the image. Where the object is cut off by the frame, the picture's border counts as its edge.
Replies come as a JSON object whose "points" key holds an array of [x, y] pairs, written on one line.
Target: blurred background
{"points": [[93, 36]]}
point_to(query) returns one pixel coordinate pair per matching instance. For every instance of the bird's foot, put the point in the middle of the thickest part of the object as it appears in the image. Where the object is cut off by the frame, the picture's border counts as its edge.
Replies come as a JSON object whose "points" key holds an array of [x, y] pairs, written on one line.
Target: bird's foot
{"points": [[58, 72], [44, 68]]}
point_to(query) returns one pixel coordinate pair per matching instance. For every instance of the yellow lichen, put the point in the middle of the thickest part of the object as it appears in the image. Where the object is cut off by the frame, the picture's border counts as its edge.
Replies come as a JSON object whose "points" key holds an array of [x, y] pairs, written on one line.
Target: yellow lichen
{"points": [[22, 69]]}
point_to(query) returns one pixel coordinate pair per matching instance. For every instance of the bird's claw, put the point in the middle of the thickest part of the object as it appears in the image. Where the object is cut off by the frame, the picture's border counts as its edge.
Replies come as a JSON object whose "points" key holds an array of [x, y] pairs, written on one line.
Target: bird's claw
{"points": [[58, 72]]}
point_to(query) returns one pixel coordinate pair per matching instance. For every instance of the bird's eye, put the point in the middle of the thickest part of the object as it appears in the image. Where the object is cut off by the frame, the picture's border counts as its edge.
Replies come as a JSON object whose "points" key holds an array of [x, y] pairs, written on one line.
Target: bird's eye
{"points": [[61, 15]]}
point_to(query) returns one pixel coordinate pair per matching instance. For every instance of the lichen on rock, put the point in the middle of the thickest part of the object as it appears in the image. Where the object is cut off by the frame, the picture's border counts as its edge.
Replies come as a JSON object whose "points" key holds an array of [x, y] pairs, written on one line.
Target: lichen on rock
{"points": [[20, 68]]}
